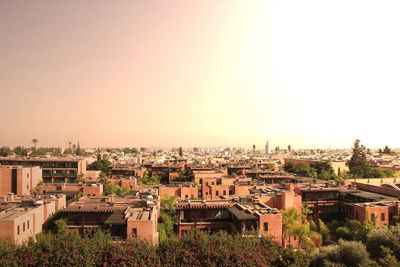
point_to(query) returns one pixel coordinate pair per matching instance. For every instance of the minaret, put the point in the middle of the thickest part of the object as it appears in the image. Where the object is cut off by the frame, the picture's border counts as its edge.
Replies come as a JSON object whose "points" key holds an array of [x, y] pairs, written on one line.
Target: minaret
{"points": [[267, 148]]}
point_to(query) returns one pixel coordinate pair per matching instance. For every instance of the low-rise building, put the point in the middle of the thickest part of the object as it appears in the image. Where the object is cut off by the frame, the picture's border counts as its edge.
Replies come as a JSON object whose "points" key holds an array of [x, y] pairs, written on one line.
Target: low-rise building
{"points": [[124, 217], [54, 170], [244, 218], [23, 217], [180, 190], [19, 180]]}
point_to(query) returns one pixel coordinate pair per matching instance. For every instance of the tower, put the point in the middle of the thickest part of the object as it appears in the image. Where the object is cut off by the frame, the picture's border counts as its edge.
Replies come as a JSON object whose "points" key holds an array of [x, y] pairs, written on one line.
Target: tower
{"points": [[267, 147]]}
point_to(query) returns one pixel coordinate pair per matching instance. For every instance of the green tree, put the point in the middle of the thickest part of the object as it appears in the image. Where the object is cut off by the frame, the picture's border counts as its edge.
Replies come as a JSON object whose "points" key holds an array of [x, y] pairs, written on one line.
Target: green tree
{"points": [[345, 253], [101, 164], [388, 259], [5, 151], [358, 161], [167, 217], [149, 180], [21, 151], [387, 150]]}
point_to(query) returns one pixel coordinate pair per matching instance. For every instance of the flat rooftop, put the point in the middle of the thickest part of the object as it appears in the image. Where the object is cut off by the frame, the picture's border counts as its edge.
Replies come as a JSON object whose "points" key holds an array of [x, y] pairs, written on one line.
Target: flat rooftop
{"points": [[13, 213]]}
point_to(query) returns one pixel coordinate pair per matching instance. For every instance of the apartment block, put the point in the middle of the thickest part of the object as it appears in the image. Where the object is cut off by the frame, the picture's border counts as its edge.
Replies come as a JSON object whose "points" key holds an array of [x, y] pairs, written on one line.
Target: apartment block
{"points": [[23, 217], [244, 218], [19, 180], [124, 217], [54, 170]]}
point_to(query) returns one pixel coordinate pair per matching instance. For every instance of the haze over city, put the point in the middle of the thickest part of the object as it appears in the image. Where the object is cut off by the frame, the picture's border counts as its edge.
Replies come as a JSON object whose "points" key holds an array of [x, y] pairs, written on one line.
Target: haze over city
{"points": [[200, 73]]}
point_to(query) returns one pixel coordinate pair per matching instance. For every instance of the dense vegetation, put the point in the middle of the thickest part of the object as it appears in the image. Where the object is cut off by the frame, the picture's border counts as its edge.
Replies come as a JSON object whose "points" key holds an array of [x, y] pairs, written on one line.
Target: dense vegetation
{"points": [[148, 179], [359, 167], [195, 249], [381, 248], [318, 169]]}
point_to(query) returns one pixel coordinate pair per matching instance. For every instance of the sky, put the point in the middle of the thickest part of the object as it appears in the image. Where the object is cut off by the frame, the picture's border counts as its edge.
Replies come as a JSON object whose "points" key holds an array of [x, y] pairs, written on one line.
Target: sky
{"points": [[200, 73]]}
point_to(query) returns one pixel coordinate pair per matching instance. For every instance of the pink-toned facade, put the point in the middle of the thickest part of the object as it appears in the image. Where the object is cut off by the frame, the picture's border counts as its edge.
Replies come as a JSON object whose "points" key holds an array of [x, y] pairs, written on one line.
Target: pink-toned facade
{"points": [[22, 218], [180, 191], [232, 216], [95, 189], [126, 217], [19, 180]]}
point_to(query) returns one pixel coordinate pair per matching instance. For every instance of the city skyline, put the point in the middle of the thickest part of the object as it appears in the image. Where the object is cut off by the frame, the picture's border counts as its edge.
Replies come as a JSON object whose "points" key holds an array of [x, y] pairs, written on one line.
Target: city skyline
{"points": [[227, 73]]}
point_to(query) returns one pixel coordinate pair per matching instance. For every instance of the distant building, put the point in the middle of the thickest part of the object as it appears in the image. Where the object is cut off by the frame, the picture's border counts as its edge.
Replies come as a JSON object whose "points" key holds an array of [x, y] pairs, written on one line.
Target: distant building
{"points": [[180, 190], [90, 189], [54, 170]]}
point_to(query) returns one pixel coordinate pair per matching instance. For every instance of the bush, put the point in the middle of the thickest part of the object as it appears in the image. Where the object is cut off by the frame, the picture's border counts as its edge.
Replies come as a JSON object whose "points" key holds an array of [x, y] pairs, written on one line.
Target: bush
{"points": [[195, 249], [346, 253], [388, 237]]}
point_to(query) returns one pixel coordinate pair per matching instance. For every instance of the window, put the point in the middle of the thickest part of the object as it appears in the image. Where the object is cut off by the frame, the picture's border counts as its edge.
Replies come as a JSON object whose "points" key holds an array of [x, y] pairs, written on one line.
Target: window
{"points": [[27, 224], [212, 183], [217, 193], [18, 230], [192, 196], [23, 227], [372, 217], [224, 192], [186, 196], [382, 217], [265, 227], [207, 184], [134, 232]]}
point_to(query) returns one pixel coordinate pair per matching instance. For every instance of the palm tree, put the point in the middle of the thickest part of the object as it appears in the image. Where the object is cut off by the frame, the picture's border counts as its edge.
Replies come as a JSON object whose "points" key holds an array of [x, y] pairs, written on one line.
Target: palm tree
{"points": [[34, 142], [290, 223]]}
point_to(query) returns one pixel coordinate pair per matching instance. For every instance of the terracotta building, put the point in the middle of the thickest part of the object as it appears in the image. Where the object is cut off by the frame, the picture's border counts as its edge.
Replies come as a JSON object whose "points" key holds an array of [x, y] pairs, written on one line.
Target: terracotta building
{"points": [[244, 218], [24, 217], [89, 189], [180, 190], [125, 217], [54, 169], [19, 180]]}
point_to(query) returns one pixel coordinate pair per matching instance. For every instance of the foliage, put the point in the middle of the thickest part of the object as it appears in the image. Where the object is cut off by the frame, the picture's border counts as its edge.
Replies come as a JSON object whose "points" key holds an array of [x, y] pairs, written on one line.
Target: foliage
{"points": [[149, 179], [388, 237], [101, 164], [387, 150], [345, 253], [388, 259], [113, 189], [358, 164], [322, 170], [21, 151], [194, 249], [221, 249], [167, 217], [358, 161], [352, 230], [185, 176], [5, 151], [294, 226]]}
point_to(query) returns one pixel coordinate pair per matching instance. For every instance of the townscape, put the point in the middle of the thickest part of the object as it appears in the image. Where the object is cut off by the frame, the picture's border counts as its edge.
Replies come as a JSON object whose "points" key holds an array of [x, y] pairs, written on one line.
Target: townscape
{"points": [[299, 199], [211, 133]]}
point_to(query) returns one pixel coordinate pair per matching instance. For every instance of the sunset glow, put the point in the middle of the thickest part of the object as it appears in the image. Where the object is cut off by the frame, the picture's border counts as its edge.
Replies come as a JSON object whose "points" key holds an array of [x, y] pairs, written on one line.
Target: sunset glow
{"points": [[200, 73]]}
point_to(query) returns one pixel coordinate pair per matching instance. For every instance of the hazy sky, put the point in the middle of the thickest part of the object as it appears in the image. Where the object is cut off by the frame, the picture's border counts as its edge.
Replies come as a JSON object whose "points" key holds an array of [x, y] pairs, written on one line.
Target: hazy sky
{"points": [[200, 73]]}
